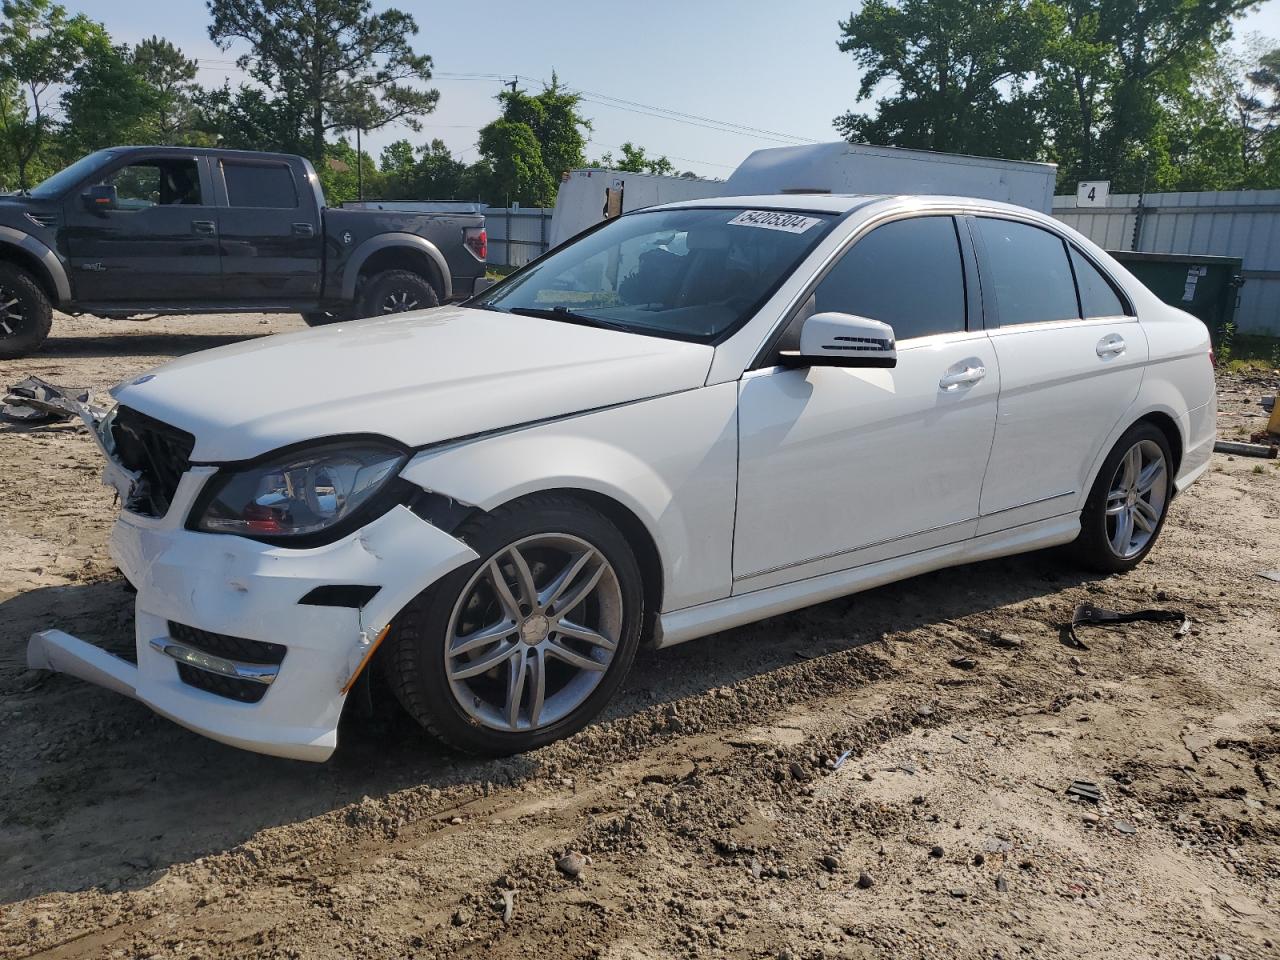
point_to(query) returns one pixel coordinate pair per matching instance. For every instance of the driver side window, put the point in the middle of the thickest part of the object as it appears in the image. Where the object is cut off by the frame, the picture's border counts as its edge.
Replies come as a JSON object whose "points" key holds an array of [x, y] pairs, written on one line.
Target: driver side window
{"points": [[908, 274], [152, 183]]}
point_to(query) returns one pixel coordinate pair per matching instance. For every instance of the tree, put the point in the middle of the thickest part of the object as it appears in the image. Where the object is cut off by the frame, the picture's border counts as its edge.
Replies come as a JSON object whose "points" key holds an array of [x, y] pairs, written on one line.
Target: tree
{"points": [[1112, 74], [635, 160], [40, 46], [170, 75], [439, 176], [331, 59], [556, 122], [246, 118], [107, 101], [957, 68], [340, 177], [511, 168]]}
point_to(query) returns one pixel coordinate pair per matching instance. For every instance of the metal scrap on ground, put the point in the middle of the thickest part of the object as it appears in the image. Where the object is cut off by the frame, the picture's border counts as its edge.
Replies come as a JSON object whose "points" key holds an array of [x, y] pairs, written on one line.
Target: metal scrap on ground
{"points": [[1088, 614]]}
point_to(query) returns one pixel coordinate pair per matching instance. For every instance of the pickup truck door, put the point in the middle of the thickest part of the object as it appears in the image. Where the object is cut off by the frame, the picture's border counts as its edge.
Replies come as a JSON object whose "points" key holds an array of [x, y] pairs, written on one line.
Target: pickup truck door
{"points": [[269, 231], [159, 244]]}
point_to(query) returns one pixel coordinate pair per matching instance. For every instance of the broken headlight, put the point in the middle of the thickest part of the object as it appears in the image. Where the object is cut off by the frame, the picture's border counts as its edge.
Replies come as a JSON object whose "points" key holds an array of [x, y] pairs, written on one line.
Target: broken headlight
{"points": [[299, 493]]}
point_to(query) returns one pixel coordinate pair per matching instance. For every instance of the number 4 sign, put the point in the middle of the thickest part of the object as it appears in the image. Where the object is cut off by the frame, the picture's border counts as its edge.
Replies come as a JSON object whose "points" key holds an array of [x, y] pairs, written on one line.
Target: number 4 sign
{"points": [[1092, 193]]}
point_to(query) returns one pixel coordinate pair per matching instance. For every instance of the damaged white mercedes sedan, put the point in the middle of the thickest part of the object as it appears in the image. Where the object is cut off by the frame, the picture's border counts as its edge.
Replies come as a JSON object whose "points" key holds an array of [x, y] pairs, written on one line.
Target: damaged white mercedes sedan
{"points": [[690, 418]]}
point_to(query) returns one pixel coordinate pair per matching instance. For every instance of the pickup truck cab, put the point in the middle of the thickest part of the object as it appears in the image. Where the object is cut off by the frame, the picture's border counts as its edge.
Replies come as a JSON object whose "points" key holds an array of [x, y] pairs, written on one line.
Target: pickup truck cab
{"points": [[173, 230]]}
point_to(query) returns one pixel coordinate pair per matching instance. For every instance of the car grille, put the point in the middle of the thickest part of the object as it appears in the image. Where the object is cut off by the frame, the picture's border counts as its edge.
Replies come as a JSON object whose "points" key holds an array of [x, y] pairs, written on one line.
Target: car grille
{"points": [[229, 648], [161, 454]]}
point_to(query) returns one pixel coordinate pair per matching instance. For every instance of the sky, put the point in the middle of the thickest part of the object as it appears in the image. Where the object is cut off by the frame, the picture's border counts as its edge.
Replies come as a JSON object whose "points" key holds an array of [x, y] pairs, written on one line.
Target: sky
{"points": [[760, 64]]}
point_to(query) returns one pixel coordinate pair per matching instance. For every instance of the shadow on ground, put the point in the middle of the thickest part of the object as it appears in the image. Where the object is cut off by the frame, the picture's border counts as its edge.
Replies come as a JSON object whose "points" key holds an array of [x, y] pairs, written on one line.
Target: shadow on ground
{"points": [[133, 345], [76, 756]]}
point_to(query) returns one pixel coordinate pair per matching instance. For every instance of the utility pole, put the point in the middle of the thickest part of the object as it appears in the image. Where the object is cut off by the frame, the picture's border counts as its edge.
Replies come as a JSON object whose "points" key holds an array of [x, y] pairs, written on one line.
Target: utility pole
{"points": [[513, 83], [359, 167]]}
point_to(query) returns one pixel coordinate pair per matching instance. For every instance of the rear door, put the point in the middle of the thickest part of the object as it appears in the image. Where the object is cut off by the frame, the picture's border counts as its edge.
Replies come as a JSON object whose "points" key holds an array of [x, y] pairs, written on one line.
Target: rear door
{"points": [[269, 231], [160, 242], [1071, 359]]}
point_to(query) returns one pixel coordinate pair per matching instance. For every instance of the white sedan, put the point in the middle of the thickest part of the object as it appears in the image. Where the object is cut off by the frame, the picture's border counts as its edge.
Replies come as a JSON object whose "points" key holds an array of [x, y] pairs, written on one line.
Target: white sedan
{"points": [[689, 418]]}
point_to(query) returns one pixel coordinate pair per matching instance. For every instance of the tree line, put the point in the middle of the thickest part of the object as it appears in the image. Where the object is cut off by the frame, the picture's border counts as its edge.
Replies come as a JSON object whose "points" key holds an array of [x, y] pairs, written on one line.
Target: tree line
{"points": [[318, 70], [1148, 94]]}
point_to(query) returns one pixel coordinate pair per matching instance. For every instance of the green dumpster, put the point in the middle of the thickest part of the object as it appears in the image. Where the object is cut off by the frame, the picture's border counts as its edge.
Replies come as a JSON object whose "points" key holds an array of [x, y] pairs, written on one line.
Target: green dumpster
{"points": [[1206, 287]]}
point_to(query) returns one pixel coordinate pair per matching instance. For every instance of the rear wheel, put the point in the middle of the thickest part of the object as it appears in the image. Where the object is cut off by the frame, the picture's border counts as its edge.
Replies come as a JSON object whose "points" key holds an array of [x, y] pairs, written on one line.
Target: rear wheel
{"points": [[396, 291], [26, 315], [527, 644], [1127, 506]]}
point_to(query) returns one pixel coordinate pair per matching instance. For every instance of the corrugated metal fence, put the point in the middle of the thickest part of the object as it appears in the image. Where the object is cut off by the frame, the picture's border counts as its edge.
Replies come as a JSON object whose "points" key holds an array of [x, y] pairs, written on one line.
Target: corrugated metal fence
{"points": [[517, 234], [1236, 223]]}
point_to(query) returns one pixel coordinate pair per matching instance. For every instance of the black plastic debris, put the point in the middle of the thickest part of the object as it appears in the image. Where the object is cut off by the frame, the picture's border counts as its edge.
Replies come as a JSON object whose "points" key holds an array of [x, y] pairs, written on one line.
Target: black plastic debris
{"points": [[1086, 614], [34, 400], [1085, 790]]}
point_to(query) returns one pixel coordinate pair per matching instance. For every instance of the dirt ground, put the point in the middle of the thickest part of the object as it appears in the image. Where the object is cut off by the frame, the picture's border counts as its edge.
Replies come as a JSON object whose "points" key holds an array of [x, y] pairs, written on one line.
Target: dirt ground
{"points": [[711, 800]]}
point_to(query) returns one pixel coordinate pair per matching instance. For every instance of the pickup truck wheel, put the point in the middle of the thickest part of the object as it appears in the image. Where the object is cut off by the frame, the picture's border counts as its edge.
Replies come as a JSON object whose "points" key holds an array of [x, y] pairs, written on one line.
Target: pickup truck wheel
{"points": [[395, 291], [26, 315], [528, 643]]}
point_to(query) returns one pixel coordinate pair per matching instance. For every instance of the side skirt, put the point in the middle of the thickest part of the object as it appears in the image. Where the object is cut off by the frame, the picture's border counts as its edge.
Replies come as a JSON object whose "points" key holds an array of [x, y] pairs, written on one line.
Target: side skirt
{"points": [[690, 623]]}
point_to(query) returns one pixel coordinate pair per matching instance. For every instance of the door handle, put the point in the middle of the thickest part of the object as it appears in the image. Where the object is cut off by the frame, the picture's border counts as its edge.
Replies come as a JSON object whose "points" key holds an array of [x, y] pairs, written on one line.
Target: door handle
{"points": [[1112, 345], [961, 378], [304, 230], [206, 227]]}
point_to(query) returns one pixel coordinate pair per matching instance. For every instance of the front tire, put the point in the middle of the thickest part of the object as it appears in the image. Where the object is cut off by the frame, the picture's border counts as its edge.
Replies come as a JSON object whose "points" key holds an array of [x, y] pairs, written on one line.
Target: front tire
{"points": [[396, 291], [26, 315], [527, 644], [1129, 501]]}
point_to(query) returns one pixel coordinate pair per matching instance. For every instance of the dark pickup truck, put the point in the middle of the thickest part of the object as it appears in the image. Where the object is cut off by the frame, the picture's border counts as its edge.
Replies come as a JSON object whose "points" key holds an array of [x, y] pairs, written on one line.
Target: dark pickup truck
{"points": [[173, 230]]}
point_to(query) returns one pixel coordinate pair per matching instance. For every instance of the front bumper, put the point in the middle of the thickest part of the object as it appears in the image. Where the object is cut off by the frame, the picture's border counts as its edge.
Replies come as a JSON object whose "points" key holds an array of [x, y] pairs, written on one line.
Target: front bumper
{"points": [[244, 589]]}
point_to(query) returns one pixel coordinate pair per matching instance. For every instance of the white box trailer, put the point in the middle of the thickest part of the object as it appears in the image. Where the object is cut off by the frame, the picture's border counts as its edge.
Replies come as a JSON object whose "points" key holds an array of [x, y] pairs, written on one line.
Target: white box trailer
{"points": [[584, 196]]}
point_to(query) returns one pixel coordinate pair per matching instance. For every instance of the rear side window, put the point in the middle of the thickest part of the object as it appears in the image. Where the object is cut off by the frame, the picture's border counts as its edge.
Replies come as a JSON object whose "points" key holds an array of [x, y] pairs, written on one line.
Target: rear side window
{"points": [[259, 185], [1027, 269], [907, 273], [1097, 297]]}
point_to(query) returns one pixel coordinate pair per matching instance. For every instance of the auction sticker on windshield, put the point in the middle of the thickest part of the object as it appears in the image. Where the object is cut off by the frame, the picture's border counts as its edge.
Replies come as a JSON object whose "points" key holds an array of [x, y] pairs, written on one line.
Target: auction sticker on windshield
{"points": [[774, 220]]}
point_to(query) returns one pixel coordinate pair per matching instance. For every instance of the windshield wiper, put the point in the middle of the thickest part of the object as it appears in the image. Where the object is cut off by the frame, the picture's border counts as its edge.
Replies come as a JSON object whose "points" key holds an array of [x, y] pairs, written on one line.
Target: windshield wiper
{"points": [[565, 315]]}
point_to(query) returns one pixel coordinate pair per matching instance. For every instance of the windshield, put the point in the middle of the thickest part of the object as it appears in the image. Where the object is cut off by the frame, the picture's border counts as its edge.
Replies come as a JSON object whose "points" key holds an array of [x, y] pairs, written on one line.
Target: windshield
{"points": [[692, 274], [69, 176]]}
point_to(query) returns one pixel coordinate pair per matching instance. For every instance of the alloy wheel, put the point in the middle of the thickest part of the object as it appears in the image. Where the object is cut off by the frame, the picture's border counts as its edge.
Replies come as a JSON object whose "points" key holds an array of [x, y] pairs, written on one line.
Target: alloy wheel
{"points": [[13, 316], [533, 632], [1136, 499], [398, 301]]}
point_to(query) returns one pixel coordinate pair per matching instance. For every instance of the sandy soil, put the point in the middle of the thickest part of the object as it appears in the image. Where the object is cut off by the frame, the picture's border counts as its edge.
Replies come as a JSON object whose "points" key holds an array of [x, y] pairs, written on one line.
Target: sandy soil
{"points": [[706, 799]]}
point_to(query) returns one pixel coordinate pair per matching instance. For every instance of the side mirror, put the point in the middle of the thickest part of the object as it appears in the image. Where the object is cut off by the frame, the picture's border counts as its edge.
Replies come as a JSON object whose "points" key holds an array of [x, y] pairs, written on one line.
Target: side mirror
{"points": [[843, 340], [100, 197]]}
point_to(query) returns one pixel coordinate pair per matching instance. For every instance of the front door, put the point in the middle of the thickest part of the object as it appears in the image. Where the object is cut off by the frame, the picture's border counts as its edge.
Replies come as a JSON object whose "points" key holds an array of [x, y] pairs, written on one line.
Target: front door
{"points": [[841, 467], [159, 244], [1071, 359]]}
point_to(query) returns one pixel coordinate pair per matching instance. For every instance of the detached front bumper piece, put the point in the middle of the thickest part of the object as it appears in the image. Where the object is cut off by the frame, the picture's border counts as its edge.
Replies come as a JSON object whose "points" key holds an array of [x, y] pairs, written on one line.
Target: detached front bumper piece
{"points": [[230, 639]]}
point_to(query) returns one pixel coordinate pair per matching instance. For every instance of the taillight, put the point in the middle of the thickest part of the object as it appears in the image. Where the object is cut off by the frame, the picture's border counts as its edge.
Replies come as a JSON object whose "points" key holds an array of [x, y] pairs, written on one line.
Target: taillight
{"points": [[477, 241]]}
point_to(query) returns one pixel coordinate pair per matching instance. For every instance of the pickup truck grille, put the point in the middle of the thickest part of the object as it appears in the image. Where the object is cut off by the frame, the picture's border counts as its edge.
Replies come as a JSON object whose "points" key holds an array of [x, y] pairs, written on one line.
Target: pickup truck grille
{"points": [[161, 454]]}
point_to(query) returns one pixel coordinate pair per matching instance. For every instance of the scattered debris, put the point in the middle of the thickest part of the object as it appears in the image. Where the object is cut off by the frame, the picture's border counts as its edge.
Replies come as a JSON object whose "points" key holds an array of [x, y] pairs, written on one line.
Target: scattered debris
{"points": [[508, 904], [572, 864], [864, 880], [1268, 451], [964, 663], [1085, 790], [831, 863], [842, 758], [936, 852], [1002, 885], [34, 400], [1270, 575], [1088, 614], [1124, 826]]}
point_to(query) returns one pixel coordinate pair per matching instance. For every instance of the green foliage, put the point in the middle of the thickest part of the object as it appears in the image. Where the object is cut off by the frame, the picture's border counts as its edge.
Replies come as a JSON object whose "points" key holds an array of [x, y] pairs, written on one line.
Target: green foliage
{"points": [[108, 101], [340, 177], [247, 118], [40, 46], [523, 153], [170, 77], [635, 160], [335, 63], [1138, 92]]}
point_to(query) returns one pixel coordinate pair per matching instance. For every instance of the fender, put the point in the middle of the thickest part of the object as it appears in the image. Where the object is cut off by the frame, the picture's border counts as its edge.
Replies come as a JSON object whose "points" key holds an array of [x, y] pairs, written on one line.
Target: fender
{"points": [[46, 257], [381, 242], [671, 461]]}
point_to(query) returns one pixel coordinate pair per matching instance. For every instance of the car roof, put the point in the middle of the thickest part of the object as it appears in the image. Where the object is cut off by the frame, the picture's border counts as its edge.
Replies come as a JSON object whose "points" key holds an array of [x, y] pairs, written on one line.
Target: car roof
{"points": [[842, 203]]}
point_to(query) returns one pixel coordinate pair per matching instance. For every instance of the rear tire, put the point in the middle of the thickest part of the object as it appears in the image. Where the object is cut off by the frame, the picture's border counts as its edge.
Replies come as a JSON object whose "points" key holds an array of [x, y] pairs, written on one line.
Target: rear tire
{"points": [[564, 678], [396, 291], [26, 315], [1129, 501]]}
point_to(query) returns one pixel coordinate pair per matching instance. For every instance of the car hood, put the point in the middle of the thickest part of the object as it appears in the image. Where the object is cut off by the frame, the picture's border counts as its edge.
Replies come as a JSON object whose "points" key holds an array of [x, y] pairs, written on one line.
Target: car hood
{"points": [[418, 378]]}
